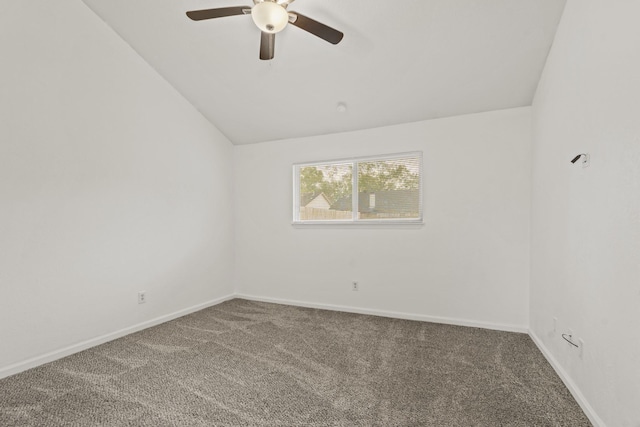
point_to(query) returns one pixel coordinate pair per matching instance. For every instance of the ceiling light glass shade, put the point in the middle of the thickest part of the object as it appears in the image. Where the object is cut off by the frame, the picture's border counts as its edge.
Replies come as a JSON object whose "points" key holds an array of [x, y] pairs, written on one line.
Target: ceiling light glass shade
{"points": [[270, 17]]}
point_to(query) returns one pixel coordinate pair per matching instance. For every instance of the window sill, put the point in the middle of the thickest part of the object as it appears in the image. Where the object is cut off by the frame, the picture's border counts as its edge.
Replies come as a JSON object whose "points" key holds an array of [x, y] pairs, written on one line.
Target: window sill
{"points": [[413, 223]]}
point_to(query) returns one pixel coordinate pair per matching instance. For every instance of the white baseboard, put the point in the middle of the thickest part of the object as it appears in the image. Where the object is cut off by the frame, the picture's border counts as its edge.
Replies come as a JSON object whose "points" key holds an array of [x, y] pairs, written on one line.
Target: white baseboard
{"points": [[75, 348], [566, 379], [393, 314]]}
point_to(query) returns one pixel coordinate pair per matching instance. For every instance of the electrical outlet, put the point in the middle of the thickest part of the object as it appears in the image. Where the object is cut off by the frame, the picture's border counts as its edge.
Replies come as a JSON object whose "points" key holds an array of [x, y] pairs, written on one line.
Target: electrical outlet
{"points": [[354, 286], [142, 297]]}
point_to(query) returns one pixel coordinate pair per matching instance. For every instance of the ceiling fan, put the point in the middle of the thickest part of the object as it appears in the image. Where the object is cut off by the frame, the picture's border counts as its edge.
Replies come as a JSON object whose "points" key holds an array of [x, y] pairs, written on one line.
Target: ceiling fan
{"points": [[271, 16]]}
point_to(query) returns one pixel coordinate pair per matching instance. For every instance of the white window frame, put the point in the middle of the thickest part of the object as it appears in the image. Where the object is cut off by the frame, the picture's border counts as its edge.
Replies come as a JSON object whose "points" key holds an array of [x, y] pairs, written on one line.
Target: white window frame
{"points": [[354, 191]]}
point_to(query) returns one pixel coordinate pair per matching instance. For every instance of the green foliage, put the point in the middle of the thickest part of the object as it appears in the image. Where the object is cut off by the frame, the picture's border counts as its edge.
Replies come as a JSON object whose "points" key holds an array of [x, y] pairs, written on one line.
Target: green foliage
{"points": [[311, 179], [333, 181], [385, 175]]}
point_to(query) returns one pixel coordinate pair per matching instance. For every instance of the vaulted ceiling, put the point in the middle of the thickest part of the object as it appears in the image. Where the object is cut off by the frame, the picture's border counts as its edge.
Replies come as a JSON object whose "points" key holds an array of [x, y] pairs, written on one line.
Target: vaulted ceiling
{"points": [[399, 61]]}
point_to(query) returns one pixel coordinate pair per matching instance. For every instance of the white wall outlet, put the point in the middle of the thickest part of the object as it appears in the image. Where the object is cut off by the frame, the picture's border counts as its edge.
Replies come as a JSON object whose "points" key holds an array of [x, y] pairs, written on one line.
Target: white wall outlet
{"points": [[142, 297], [354, 286]]}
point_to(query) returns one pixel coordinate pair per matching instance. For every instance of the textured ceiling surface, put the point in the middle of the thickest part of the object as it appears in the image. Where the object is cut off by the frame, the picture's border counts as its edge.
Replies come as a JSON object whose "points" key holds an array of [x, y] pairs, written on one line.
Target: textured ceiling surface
{"points": [[399, 61]]}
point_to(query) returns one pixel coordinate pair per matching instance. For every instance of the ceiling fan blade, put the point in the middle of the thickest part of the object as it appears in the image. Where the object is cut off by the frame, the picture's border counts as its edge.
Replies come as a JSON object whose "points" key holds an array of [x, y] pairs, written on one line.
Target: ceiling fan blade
{"points": [[316, 28], [221, 12], [267, 45]]}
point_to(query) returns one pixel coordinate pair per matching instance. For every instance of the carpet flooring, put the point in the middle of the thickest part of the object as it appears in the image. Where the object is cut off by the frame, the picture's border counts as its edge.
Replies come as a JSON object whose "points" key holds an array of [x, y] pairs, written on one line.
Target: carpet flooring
{"points": [[245, 363]]}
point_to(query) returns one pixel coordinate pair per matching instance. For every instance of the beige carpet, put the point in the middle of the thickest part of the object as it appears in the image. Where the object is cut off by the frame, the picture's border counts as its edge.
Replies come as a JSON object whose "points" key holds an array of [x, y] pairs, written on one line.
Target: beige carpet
{"points": [[245, 363]]}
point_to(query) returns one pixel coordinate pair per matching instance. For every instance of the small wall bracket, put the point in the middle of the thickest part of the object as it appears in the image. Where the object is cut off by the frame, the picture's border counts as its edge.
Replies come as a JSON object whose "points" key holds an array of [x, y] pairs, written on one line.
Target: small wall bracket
{"points": [[586, 159], [569, 338]]}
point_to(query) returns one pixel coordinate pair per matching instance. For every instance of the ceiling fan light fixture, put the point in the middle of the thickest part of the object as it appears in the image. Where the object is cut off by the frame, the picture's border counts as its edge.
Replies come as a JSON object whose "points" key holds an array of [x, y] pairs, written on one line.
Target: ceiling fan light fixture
{"points": [[270, 17]]}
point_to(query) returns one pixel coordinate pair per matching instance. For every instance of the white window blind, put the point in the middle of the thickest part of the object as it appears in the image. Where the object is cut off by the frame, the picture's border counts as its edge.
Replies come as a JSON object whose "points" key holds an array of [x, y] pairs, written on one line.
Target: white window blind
{"points": [[369, 190]]}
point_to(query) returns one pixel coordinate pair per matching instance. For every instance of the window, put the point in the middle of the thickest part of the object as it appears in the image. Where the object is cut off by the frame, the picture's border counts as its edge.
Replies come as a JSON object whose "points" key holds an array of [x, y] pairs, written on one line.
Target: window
{"points": [[388, 189]]}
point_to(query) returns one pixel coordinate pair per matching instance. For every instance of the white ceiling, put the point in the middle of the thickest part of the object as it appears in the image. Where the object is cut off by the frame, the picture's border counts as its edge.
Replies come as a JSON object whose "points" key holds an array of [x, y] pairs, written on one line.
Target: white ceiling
{"points": [[399, 61]]}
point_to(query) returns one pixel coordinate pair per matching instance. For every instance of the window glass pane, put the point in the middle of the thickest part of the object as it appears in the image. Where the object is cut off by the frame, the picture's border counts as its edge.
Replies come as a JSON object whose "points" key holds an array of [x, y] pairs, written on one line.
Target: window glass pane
{"points": [[389, 188], [325, 192]]}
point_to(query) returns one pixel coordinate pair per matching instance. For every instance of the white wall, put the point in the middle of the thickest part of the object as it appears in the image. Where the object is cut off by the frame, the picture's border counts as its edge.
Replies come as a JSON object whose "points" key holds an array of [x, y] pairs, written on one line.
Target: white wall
{"points": [[469, 263], [110, 183], [586, 222]]}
